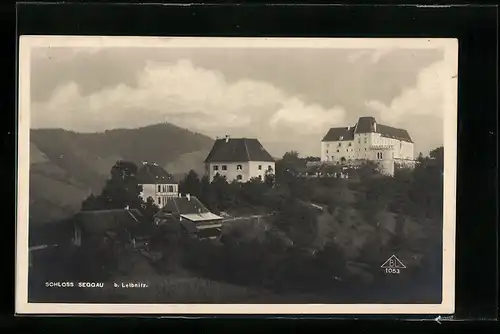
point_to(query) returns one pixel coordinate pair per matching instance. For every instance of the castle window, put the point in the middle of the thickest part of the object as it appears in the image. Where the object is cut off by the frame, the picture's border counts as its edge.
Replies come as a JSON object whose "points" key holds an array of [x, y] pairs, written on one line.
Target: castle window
{"points": [[224, 167], [260, 166], [239, 167]]}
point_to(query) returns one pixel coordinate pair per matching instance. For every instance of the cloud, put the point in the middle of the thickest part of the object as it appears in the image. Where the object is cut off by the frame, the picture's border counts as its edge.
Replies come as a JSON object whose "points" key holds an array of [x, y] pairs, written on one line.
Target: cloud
{"points": [[306, 118], [419, 108], [426, 97], [186, 95]]}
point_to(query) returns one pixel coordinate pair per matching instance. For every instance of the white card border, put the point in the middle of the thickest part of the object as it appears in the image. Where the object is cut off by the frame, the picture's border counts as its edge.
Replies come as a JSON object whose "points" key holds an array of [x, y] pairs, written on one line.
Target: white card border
{"points": [[26, 43]]}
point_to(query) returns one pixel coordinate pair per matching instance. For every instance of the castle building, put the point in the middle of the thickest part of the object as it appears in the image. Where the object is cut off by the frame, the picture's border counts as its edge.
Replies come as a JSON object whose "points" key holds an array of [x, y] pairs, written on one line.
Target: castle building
{"points": [[368, 140], [240, 159]]}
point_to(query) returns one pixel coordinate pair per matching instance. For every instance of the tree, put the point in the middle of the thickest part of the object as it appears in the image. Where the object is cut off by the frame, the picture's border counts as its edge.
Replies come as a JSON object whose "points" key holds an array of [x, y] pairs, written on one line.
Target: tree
{"points": [[291, 156], [298, 221], [121, 190], [190, 184], [149, 209]]}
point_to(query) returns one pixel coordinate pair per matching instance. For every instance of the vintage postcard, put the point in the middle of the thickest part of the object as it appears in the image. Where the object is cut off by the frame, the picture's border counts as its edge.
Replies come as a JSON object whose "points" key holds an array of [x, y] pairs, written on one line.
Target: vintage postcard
{"points": [[236, 175]]}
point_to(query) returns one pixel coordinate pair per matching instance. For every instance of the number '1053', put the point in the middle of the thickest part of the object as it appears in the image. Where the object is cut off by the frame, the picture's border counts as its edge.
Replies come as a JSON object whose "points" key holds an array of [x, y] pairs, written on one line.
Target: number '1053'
{"points": [[391, 270]]}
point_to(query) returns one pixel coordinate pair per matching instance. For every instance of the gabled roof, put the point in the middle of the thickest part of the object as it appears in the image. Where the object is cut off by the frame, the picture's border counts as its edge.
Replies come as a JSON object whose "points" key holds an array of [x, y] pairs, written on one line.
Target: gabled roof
{"points": [[370, 125], [153, 174], [191, 209], [390, 132], [238, 150], [182, 206], [339, 134], [367, 125], [101, 221]]}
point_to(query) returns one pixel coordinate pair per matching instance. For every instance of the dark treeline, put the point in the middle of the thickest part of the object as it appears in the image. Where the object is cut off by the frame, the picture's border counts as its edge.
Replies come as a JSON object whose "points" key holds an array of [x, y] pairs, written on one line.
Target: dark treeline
{"points": [[333, 252], [413, 197]]}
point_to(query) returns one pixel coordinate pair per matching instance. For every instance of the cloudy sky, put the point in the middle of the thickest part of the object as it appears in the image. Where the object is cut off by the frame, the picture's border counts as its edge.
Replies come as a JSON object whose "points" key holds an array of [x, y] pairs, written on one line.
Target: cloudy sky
{"points": [[288, 98]]}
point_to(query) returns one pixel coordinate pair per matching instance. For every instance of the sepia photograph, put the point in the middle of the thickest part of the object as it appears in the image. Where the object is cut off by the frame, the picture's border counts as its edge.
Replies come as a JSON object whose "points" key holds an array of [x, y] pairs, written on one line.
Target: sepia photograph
{"points": [[186, 175]]}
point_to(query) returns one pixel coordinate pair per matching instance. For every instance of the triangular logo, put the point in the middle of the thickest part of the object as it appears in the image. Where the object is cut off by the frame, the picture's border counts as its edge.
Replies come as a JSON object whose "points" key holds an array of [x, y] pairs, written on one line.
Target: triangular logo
{"points": [[393, 262]]}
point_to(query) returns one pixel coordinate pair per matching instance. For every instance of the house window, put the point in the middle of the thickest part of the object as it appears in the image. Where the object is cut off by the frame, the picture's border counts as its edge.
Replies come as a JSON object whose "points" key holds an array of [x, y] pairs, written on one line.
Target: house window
{"points": [[260, 166], [327, 145], [339, 145], [164, 188], [338, 151], [365, 140], [159, 200], [359, 140], [216, 167], [269, 168], [239, 167], [224, 167], [239, 177], [326, 151], [350, 144], [159, 188], [170, 189], [260, 177]]}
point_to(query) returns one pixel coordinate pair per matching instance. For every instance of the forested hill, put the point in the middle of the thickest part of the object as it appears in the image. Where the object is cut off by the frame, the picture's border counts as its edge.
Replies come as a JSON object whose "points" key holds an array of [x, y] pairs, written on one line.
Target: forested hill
{"points": [[66, 166]]}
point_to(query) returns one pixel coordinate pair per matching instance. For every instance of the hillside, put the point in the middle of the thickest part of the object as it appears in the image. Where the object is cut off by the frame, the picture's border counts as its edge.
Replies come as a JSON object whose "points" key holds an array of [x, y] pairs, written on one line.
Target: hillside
{"points": [[66, 166]]}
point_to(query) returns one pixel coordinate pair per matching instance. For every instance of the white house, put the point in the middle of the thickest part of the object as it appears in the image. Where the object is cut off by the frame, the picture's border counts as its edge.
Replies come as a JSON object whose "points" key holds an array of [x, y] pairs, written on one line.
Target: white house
{"points": [[368, 140], [156, 183], [239, 159]]}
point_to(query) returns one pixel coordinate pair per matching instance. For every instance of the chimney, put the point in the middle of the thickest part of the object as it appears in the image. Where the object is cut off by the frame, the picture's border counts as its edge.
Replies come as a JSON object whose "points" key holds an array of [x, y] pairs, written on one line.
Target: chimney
{"points": [[227, 138], [127, 207], [144, 162], [188, 196], [348, 128], [375, 126]]}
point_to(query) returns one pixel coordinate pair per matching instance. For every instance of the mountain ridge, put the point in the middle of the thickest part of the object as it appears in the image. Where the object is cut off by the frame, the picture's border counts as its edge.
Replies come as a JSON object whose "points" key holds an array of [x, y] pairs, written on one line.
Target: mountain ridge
{"points": [[66, 166]]}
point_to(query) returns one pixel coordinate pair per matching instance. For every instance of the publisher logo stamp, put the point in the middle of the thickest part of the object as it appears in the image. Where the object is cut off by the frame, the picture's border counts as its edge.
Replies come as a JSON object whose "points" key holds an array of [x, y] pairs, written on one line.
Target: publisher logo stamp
{"points": [[393, 265]]}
